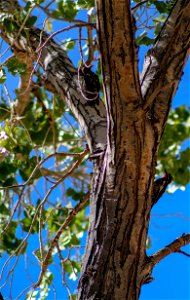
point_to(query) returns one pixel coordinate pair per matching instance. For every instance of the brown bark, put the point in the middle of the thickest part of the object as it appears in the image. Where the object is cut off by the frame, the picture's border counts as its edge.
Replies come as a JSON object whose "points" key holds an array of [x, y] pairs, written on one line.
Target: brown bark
{"points": [[115, 264]]}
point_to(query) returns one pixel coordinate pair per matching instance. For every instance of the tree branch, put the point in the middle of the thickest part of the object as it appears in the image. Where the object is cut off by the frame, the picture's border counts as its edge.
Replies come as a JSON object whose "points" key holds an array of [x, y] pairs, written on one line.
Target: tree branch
{"points": [[54, 242], [151, 261], [164, 63], [91, 46], [119, 59], [171, 248], [61, 72]]}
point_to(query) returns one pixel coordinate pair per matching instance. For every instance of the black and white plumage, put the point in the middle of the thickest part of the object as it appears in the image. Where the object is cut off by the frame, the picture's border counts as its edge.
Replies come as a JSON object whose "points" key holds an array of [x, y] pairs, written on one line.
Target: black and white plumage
{"points": [[160, 186], [90, 86]]}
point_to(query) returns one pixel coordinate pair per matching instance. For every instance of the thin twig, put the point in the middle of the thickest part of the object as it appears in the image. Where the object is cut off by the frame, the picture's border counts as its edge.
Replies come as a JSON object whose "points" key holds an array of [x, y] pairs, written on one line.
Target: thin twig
{"points": [[54, 242], [27, 182], [63, 30], [41, 47], [184, 253], [139, 4], [171, 248], [90, 43], [57, 154], [78, 162]]}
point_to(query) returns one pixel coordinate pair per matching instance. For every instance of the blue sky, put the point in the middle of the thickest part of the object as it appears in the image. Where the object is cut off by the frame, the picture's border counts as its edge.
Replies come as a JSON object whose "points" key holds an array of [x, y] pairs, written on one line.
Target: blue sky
{"points": [[169, 219]]}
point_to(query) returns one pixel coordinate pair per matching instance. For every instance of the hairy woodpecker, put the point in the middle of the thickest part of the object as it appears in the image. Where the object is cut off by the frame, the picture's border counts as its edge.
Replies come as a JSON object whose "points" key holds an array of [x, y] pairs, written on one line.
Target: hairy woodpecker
{"points": [[90, 87], [160, 186]]}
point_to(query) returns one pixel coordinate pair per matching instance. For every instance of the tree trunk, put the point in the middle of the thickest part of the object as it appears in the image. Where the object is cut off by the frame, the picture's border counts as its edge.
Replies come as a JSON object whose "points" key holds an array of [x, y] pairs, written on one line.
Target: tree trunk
{"points": [[120, 205], [115, 264]]}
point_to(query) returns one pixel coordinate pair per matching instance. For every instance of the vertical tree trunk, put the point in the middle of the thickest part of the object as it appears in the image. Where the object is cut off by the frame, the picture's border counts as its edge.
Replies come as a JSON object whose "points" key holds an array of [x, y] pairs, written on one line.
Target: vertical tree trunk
{"points": [[115, 264], [120, 202]]}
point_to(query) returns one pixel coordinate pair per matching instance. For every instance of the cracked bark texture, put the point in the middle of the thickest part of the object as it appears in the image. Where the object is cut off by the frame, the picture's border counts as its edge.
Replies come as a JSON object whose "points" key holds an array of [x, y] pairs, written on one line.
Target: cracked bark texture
{"points": [[115, 265]]}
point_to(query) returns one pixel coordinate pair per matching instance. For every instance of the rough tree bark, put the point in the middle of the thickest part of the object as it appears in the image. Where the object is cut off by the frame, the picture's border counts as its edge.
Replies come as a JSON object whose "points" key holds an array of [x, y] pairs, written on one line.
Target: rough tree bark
{"points": [[115, 264]]}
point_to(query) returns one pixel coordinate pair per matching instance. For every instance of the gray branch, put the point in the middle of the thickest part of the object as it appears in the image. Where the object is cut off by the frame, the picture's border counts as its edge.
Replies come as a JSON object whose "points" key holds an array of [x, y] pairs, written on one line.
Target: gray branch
{"points": [[60, 71]]}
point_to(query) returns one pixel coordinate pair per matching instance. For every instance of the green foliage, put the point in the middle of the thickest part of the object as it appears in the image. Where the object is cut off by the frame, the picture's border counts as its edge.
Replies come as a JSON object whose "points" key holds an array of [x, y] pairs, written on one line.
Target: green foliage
{"points": [[148, 33], [68, 44], [16, 67], [66, 9], [171, 157], [85, 4], [44, 288], [74, 194], [48, 127], [143, 39], [9, 242], [2, 76], [4, 111], [10, 25], [72, 268], [7, 172], [29, 213]]}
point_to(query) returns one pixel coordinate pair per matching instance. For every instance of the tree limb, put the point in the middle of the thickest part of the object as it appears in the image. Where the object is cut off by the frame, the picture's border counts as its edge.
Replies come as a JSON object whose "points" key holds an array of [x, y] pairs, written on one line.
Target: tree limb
{"points": [[151, 261], [171, 248], [24, 93], [61, 72], [54, 242], [164, 63]]}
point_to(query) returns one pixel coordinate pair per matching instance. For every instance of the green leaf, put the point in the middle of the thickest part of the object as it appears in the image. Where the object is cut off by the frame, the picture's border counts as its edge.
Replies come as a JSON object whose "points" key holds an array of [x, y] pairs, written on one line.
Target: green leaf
{"points": [[31, 21], [146, 41], [4, 109], [65, 239], [10, 25], [143, 39], [161, 6], [67, 9], [2, 76], [32, 295], [68, 44], [148, 243], [74, 194], [160, 19], [85, 4]]}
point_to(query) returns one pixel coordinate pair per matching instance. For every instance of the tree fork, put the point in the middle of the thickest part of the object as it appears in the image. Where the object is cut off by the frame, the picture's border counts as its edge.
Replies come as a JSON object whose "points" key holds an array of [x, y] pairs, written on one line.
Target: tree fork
{"points": [[115, 264]]}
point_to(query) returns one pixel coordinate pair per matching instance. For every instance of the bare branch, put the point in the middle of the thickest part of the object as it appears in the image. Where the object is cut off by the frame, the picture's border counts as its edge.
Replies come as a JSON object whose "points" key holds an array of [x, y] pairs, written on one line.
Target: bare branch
{"points": [[62, 74], [164, 63], [54, 242], [91, 47], [37, 167], [139, 4], [184, 253], [23, 243], [151, 261], [171, 248], [68, 172]]}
